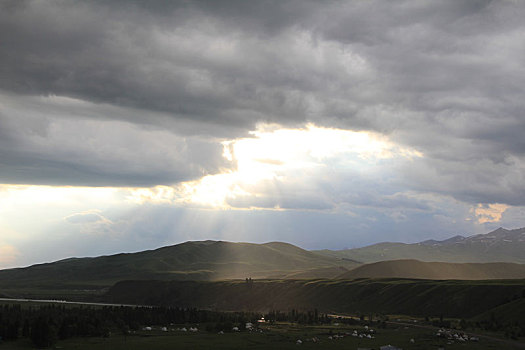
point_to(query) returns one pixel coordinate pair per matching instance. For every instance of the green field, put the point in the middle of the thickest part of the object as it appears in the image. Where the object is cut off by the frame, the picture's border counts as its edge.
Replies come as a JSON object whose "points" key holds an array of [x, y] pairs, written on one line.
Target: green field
{"points": [[277, 336], [397, 330]]}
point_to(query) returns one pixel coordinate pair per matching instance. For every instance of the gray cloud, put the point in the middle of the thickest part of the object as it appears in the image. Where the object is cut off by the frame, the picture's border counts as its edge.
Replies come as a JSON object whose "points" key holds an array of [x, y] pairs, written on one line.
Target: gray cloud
{"points": [[445, 78], [191, 67], [44, 144]]}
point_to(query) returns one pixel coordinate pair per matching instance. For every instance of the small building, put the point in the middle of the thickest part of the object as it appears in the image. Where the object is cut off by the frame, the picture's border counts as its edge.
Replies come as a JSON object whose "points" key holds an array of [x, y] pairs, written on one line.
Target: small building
{"points": [[389, 347]]}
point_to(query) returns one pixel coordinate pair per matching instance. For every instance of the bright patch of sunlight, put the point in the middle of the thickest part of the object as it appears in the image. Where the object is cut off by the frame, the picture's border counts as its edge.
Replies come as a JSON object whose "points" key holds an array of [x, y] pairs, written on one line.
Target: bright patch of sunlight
{"points": [[16, 195], [272, 154], [8, 255], [45, 205]]}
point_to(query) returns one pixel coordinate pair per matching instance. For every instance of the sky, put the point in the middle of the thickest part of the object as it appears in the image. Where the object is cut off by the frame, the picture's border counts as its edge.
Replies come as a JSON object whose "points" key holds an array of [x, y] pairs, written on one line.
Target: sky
{"points": [[130, 125]]}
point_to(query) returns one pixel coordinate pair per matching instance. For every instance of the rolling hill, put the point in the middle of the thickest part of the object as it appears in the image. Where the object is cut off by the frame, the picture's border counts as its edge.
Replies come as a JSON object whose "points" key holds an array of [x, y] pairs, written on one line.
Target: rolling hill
{"points": [[500, 245], [218, 260], [206, 260], [384, 296], [410, 268]]}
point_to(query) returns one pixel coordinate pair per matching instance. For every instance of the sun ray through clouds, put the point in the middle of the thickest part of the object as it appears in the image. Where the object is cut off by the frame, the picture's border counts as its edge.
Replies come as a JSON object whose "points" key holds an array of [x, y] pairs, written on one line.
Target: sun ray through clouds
{"points": [[273, 155]]}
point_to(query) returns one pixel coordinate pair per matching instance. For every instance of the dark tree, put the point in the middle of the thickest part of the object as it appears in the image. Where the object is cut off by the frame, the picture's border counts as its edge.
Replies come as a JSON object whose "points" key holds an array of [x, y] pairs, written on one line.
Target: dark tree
{"points": [[43, 332]]}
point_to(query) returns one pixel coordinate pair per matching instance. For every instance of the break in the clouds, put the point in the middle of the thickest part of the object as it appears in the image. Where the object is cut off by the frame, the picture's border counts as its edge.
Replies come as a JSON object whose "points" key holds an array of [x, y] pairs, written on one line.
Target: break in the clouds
{"points": [[177, 103]]}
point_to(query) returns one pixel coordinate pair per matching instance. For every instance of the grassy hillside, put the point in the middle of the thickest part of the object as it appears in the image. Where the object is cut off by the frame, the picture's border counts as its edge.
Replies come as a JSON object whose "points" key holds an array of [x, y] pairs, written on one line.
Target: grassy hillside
{"points": [[386, 296], [511, 312], [436, 270], [208, 260], [327, 272]]}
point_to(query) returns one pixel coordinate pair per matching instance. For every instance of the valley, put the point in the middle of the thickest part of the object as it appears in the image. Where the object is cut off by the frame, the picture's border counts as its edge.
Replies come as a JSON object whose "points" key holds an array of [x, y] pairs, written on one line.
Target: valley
{"points": [[280, 278]]}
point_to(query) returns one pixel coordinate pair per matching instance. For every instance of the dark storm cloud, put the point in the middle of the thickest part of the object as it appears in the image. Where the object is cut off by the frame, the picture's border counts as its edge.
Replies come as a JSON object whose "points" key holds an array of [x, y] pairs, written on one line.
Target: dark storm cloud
{"points": [[50, 147], [165, 60], [445, 78], [234, 62]]}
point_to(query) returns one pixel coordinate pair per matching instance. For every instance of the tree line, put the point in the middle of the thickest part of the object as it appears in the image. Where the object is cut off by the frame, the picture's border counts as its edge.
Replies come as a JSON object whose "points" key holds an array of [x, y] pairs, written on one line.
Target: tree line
{"points": [[46, 324]]}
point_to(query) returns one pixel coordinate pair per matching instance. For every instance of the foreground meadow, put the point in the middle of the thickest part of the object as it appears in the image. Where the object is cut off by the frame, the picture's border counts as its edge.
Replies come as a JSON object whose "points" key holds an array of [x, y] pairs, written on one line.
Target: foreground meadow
{"points": [[277, 336]]}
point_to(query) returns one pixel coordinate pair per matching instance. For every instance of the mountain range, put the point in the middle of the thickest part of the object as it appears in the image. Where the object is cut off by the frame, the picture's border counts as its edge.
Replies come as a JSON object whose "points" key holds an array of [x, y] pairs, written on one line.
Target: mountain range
{"points": [[500, 245], [496, 255]]}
